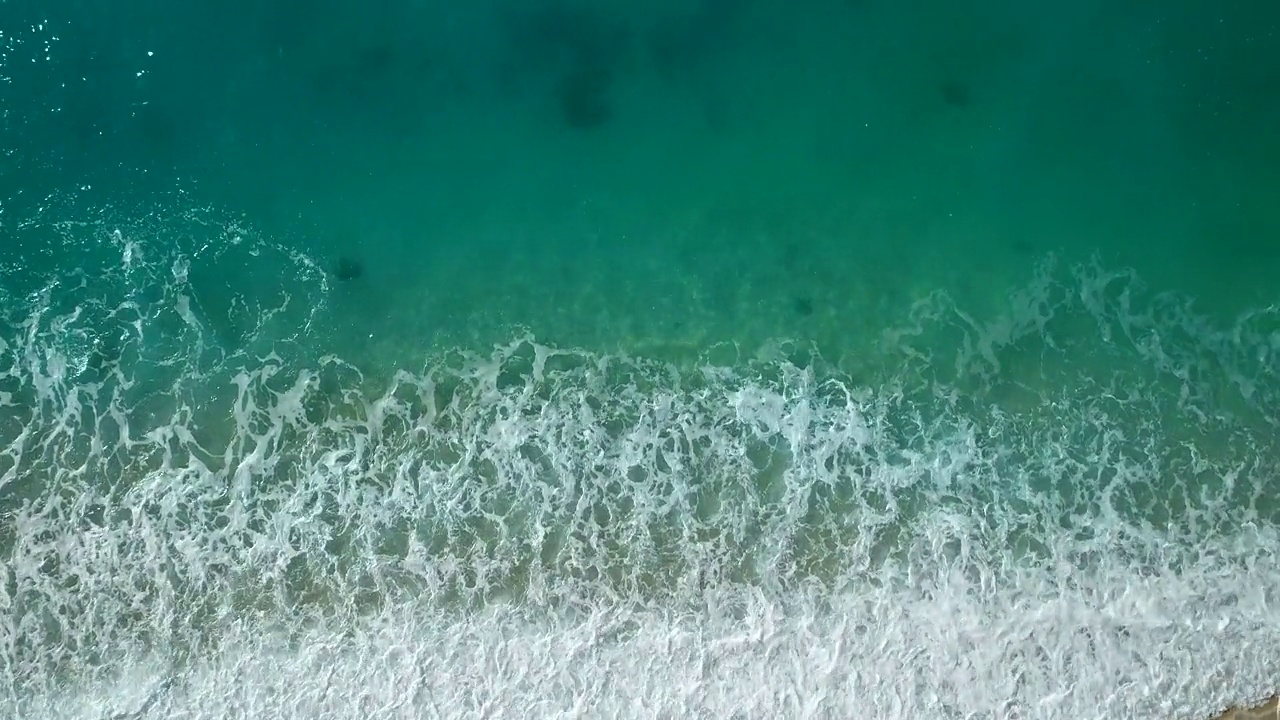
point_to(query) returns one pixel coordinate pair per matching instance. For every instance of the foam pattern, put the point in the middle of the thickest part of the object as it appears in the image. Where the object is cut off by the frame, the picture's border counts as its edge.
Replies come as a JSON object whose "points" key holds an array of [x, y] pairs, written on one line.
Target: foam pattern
{"points": [[1065, 512]]}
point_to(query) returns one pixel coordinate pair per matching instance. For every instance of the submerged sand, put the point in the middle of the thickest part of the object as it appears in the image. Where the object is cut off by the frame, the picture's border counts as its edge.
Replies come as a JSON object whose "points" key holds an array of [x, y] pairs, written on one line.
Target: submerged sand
{"points": [[1269, 710]]}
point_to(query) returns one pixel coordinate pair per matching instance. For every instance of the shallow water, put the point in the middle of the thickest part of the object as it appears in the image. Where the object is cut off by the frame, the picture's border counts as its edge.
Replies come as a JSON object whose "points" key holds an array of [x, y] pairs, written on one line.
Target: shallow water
{"points": [[650, 360]]}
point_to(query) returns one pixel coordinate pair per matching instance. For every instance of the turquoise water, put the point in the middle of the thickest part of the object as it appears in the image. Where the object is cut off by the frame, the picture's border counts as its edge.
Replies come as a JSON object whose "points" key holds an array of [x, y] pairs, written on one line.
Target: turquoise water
{"points": [[699, 359]]}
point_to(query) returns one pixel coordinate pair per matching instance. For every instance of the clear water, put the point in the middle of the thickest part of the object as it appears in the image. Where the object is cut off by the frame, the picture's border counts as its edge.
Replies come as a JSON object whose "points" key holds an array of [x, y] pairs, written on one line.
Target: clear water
{"points": [[528, 359]]}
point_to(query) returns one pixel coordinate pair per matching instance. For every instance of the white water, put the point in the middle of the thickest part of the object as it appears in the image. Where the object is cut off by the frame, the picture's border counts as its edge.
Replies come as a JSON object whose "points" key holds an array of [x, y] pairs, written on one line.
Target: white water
{"points": [[1065, 512]]}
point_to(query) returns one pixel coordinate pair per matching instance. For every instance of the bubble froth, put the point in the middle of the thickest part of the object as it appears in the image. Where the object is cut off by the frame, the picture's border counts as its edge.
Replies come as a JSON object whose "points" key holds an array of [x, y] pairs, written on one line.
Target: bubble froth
{"points": [[196, 518]]}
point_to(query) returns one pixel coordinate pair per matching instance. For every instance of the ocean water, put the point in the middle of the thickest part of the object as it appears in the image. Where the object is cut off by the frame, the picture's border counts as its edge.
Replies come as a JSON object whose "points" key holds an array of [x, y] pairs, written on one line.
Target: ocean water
{"points": [[638, 359]]}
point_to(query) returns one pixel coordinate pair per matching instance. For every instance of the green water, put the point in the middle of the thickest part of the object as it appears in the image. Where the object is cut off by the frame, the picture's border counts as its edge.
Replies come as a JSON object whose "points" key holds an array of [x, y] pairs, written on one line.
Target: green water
{"points": [[759, 173], [326, 321]]}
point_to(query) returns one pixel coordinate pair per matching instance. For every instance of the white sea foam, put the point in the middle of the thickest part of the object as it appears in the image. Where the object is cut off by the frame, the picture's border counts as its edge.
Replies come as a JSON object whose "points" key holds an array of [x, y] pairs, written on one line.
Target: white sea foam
{"points": [[1067, 512]]}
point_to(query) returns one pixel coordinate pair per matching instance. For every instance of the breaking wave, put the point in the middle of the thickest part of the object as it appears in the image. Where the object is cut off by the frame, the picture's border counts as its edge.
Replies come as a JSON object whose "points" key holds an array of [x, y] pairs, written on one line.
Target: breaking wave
{"points": [[1068, 511]]}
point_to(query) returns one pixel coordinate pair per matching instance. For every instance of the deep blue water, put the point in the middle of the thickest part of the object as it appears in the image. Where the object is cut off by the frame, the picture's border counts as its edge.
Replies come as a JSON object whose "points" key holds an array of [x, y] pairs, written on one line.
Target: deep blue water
{"points": [[540, 359]]}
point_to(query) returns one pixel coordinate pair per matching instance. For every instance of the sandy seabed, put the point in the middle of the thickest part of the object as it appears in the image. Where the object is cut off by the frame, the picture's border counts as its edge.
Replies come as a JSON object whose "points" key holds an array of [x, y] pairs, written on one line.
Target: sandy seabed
{"points": [[1266, 711]]}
